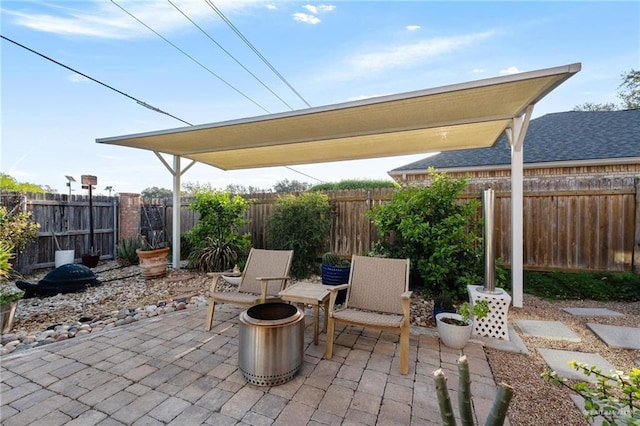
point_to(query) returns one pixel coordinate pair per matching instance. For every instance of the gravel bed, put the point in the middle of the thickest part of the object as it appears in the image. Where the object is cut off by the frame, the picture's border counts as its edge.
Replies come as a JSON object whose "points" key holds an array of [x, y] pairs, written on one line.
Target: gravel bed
{"points": [[535, 402]]}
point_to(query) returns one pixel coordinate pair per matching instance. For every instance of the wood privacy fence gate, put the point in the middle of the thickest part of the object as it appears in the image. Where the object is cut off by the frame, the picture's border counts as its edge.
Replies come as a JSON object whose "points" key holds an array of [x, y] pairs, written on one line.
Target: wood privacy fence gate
{"points": [[569, 223]]}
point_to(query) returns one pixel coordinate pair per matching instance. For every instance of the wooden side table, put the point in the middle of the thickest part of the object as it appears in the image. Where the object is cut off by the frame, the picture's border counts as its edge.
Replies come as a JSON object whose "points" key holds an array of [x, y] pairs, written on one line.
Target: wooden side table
{"points": [[309, 294]]}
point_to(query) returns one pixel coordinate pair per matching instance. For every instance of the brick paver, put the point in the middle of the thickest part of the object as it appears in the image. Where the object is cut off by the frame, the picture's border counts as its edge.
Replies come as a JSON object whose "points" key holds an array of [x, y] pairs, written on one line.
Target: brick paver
{"points": [[168, 370]]}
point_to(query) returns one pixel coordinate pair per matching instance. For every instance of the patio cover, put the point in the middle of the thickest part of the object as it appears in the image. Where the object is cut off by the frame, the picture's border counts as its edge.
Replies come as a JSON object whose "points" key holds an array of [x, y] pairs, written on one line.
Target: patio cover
{"points": [[459, 116]]}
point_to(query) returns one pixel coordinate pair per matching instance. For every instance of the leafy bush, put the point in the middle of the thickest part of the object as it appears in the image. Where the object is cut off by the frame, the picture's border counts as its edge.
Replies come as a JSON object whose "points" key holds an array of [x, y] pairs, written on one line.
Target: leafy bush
{"points": [[300, 223], [440, 235], [216, 243], [6, 254], [17, 228], [615, 397], [603, 286], [354, 184]]}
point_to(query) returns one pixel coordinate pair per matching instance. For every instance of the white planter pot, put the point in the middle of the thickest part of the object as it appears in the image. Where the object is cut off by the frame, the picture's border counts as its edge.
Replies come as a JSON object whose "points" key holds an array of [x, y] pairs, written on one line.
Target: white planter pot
{"points": [[453, 336], [63, 257]]}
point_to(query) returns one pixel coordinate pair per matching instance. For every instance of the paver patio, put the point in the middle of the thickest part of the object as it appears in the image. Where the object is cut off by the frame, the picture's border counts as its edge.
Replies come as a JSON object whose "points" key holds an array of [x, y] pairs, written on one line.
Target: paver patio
{"points": [[169, 370]]}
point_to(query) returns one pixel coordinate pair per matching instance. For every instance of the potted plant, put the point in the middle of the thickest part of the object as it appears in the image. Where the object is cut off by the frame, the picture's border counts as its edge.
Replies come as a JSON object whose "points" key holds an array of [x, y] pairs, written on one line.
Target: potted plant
{"points": [[9, 294], [335, 271], [153, 255], [455, 329]]}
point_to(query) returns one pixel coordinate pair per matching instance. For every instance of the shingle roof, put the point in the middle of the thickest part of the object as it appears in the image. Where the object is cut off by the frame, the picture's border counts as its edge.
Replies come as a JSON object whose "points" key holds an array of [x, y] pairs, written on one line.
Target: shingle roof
{"points": [[562, 136]]}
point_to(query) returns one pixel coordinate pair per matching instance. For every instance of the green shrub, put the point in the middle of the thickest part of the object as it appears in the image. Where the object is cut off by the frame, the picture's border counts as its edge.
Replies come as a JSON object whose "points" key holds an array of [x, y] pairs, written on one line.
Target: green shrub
{"points": [[602, 286], [215, 241], [6, 254], [17, 228], [441, 235], [300, 223]]}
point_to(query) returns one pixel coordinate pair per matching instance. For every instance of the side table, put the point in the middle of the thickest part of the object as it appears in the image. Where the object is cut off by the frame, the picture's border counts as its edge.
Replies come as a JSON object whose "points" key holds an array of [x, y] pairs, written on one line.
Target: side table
{"points": [[309, 294]]}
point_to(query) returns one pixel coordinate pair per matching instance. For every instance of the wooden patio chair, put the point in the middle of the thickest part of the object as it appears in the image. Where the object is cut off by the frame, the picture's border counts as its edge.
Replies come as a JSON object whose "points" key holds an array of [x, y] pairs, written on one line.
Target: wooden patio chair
{"points": [[378, 296], [265, 274]]}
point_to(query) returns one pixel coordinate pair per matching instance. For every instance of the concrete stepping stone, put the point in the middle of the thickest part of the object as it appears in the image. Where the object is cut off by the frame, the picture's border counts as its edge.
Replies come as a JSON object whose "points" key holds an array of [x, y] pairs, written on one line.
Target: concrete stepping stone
{"points": [[553, 330], [593, 312], [616, 336], [558, 360]]}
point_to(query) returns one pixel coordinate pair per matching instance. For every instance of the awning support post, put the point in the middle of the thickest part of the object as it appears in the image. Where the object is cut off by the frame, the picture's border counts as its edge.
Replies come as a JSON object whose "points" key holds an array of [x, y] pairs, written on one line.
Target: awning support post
{"points": [[516, 134], [177, 174]]}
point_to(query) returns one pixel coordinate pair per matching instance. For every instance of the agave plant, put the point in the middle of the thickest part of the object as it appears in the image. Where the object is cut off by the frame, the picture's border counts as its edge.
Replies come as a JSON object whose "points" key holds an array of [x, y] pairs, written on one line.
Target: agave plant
{"points": [[213, 254]]}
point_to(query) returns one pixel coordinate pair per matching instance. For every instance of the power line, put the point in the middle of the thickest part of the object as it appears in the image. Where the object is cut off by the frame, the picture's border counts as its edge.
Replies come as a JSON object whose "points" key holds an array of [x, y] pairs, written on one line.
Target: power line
{"points": [[192, 58], [230, 55], [138, 101], [255, 50]]}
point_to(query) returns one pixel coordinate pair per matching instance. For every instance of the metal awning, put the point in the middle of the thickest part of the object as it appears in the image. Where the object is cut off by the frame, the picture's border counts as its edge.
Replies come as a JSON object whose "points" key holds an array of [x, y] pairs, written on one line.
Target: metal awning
{"points": [[459, 116]]}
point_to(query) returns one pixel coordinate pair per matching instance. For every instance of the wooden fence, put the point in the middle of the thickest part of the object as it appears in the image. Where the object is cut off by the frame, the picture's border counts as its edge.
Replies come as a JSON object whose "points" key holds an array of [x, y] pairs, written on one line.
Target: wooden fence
{"points": [[579, 223], [576, 223], [66, 217]]}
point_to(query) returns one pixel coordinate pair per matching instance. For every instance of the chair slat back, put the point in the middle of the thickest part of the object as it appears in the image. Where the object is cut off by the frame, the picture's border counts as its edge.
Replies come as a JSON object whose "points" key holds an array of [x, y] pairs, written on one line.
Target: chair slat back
{"points": [[265, 263], [376, 284]]}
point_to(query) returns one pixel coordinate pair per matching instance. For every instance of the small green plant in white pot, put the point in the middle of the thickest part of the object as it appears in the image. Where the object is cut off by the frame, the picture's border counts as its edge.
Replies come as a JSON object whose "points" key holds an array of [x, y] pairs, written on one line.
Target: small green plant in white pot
{"points": [[455, 329]]}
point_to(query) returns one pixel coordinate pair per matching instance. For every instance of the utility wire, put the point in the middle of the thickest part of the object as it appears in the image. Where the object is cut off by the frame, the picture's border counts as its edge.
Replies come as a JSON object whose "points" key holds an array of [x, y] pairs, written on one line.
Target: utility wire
{"points": [[255, 50], [230, 55], [192, 58], [138, 101]]}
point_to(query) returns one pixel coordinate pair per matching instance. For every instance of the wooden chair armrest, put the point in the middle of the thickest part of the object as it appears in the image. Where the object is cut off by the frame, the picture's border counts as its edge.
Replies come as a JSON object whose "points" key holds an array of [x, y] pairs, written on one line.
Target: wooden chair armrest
{"points": [[216, 279], [334, 295], [264, 282], [406, 306]]}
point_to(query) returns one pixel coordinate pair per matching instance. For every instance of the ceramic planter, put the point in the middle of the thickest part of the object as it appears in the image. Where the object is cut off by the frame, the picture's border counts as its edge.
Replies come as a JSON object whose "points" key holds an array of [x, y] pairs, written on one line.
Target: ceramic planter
{"points": [[453, 336], [335, 275], [153, 263]]}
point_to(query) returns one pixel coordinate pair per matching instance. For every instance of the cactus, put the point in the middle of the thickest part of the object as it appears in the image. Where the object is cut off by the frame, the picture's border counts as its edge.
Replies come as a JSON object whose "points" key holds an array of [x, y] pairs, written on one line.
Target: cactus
{"points": [[331, 259], [498, 409]]}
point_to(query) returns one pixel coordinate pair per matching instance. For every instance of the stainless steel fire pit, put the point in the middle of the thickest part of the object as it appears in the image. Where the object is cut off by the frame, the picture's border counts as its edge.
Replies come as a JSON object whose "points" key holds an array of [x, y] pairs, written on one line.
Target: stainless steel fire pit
{"points": [[271, 343]]}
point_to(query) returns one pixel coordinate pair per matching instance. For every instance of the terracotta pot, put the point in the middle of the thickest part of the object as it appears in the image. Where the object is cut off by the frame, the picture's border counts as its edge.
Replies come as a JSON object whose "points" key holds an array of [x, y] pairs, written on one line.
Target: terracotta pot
{"points": [[453, 336], [7, 313], [153, 263]]}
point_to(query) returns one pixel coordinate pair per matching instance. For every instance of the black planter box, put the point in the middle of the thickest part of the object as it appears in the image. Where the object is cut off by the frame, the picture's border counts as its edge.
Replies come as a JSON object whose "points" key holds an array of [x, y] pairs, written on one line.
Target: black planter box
{"points": [[334, 275]]}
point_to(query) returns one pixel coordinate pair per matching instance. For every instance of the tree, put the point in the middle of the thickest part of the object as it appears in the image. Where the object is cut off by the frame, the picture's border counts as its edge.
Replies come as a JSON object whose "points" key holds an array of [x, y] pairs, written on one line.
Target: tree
{"points": [[9, 183], [589, 106], [290, 186], [629, 90], [156, 192], [109, 188]]}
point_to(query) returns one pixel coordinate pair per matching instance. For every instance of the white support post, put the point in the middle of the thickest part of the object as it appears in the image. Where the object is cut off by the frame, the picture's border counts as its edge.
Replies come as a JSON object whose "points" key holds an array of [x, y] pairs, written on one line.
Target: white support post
{"points": [[516, 134], [177, 174], [176, 212]]}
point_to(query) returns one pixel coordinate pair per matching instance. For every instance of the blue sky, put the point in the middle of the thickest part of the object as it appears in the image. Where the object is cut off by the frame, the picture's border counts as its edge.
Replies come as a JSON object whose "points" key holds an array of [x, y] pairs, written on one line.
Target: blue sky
{"points": [[329, 52]]}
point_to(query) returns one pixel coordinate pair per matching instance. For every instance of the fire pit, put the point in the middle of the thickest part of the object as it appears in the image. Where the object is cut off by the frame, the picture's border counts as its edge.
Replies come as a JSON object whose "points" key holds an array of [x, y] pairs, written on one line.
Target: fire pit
{"points": [[271, 343]]}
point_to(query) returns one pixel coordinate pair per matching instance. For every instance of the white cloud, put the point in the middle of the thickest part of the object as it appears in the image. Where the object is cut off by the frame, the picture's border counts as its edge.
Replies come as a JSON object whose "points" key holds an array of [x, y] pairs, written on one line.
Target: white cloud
{"points": [[106, 20], [326, 8], [510, 70], [311, 8], [306, 18], [413, 27], [272, 6], [411, 54], [477, 70], [77, 78]]}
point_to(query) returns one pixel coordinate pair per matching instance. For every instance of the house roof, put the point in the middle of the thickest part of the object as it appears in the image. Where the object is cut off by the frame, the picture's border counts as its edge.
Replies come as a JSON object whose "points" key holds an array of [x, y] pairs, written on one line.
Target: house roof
{"points": [[574, 136]]}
